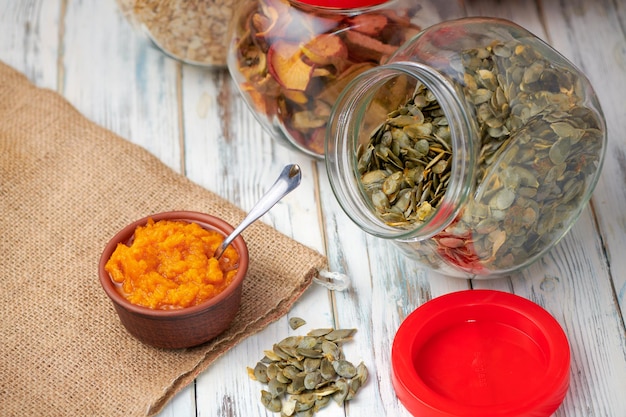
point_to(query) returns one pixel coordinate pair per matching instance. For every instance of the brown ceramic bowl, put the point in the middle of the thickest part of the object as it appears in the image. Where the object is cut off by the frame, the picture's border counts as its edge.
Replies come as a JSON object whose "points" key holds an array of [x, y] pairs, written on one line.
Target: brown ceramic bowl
{"points": [[185, 327]]}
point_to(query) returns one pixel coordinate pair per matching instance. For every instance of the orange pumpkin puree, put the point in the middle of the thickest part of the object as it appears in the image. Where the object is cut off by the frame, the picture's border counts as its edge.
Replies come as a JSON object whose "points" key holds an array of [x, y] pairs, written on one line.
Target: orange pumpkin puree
{"points": [[170, 265]]}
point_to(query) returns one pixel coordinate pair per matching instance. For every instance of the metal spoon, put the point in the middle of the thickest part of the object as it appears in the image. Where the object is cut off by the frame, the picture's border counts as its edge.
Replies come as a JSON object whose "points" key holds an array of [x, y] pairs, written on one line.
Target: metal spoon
{"points": [[288, 179]]}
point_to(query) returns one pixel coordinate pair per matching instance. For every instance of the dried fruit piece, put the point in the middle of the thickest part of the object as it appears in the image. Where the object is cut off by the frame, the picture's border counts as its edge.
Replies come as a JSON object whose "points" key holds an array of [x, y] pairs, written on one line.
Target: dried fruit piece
{"points": [[325, 49], [287, 66], [298, 97], [305, 120], [369, 24], [316, 140], [334, 87], [264, 22], [256, 63], [366, 48]]}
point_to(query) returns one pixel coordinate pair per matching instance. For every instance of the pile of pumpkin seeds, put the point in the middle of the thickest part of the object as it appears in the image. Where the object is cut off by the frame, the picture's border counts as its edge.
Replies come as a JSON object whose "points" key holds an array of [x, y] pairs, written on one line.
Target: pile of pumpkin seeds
{"points": [[303, 374], [539, 149], [405, 167]]}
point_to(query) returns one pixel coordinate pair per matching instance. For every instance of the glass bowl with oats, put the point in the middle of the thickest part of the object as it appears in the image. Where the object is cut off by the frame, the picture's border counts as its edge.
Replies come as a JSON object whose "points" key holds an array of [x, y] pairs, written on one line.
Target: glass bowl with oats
{"points": [[191, 31], [474, 148]]}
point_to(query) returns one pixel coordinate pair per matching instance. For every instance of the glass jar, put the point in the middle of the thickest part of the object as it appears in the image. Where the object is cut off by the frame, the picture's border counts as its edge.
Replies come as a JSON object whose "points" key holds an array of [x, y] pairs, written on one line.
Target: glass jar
{"points": [[191, 31], [474, 148], [291, 58]]}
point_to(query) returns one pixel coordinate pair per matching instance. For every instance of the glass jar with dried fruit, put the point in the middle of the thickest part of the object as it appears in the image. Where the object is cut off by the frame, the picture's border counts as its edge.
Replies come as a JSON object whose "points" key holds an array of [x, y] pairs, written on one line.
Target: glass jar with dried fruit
{"points": [[292, 58], [474, 148]]}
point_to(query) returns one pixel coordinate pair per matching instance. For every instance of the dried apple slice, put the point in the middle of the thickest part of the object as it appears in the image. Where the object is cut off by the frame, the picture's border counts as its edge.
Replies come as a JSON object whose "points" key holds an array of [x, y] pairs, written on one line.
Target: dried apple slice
{"points": [[367, 48], [325, 49], [252, 63], [332, 89], [321, 72], [267, 86], [305, 120], [316, 140], [261, 24], [264, 22], [368, 24], [298, 97], [259, 101], [287, 67]]}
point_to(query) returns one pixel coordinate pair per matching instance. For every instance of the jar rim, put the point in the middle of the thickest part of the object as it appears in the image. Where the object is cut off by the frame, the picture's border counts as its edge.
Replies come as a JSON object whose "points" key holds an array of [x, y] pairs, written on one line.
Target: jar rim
{"points": [[341, 144], [341, 4]]}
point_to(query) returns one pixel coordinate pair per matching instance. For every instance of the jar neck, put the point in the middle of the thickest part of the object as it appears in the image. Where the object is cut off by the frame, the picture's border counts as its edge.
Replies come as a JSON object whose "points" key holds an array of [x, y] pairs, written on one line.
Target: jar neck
{"points": [[342, 6], [345, 132]]}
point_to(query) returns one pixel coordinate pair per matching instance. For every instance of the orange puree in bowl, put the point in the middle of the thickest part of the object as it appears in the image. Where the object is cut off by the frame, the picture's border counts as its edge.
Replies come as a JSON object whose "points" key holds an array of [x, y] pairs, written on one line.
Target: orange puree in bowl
{"points": [[170, 265]]}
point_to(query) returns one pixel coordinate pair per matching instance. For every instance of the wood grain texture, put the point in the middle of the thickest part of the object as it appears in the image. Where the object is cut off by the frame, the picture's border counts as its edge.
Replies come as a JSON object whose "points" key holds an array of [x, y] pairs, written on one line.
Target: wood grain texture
{"points": [[194, 120], [602, 57]]}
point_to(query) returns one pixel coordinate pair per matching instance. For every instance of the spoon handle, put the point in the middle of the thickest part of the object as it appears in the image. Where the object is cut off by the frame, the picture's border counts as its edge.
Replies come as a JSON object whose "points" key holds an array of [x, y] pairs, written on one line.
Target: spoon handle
{"points": [[288, 179]]}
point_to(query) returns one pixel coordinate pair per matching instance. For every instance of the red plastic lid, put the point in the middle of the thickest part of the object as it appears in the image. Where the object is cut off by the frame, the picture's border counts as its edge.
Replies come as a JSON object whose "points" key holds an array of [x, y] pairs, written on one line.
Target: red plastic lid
{"points": [[480, 353], [342, 4]]}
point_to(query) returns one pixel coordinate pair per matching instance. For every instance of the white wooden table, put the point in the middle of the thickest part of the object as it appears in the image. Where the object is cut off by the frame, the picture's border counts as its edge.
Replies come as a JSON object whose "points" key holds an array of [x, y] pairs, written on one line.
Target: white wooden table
{"points": [[194, 120]]}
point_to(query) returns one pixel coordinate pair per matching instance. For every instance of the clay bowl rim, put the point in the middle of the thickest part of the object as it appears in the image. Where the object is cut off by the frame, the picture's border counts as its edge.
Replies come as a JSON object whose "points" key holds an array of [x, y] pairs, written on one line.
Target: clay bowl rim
{"points": [[205, 220]]}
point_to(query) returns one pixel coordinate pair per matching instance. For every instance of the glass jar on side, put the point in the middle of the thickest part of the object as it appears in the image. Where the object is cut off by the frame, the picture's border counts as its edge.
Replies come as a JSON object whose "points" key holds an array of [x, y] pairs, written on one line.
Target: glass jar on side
{"points": [[474, 148], [292, 58]]}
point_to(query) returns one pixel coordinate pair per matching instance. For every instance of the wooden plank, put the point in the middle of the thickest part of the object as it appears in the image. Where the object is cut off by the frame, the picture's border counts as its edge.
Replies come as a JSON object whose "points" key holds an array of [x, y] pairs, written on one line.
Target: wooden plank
{"points": [[30, 39], [591, 34], [525, 13], [117, 79], [182, 405]]}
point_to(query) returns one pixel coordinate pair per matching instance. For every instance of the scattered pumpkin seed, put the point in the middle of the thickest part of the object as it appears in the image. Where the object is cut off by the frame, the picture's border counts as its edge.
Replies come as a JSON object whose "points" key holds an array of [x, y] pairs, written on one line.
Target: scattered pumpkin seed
{"points": [[295, 322]]}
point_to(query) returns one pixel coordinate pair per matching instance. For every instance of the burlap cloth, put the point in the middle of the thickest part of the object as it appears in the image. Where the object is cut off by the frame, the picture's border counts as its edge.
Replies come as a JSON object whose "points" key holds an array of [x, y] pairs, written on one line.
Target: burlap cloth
{"points": [[66, 187]]}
